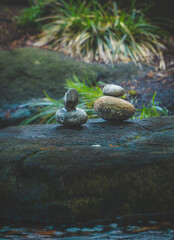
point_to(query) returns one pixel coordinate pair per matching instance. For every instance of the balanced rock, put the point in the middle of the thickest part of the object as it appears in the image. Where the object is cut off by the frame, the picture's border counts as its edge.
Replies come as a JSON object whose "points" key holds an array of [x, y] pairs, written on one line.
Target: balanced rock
{"points": [[71, 99], [70, 115], [113, 109], [113, 90], [75, 117]]}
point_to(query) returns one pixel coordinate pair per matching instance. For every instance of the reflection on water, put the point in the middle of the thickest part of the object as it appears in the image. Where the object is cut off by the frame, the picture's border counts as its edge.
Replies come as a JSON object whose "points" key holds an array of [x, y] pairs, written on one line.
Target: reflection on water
{"points": [[151, 230]]}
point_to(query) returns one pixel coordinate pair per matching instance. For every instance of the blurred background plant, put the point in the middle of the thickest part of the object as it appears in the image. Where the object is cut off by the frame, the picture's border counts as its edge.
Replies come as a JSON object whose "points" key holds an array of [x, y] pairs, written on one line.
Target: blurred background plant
{"points": [[153, 109], [88, 93], [102, 31], [35, 10], [99, 32]]}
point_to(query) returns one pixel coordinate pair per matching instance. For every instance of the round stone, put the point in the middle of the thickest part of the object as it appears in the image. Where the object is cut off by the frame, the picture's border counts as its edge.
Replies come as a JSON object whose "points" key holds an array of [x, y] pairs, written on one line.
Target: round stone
{"points": [[113, 90], [71, 99], [76, 117], [113, 109]]}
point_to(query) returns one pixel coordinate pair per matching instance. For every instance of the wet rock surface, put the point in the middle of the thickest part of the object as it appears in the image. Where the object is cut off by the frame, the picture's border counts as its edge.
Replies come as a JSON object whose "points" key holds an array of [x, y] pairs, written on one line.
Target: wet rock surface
{"points": [[118, 229], [51, 173], [14, 114]]}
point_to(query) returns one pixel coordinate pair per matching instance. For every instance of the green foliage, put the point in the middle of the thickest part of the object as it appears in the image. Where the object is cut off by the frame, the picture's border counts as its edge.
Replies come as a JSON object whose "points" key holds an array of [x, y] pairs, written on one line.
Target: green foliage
{"points": [[103, 33], [29, 14], [48, 107], [152, 110], [36, 10], [87, 96]]}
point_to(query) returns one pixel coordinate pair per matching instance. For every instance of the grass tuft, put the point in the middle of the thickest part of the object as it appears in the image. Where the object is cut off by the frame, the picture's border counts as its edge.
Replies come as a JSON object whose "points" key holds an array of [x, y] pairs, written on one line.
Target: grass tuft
{"points": [[153, 109], [103, 33]]}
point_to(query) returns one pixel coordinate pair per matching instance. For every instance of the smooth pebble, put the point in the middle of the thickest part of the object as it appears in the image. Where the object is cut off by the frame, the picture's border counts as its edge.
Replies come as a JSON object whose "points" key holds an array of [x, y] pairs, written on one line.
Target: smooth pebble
{"points": [[113, 109], [113, 90], [71, 99]]}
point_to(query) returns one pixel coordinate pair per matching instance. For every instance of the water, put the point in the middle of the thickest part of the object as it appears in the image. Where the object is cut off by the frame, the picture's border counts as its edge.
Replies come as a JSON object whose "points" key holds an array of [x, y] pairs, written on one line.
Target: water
{"points": [[149, 230]]}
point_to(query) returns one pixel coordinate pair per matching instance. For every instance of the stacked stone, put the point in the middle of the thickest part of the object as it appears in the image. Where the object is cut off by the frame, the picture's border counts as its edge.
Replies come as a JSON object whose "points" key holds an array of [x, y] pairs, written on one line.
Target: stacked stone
{"points": [[110, 107], [70, 115]]}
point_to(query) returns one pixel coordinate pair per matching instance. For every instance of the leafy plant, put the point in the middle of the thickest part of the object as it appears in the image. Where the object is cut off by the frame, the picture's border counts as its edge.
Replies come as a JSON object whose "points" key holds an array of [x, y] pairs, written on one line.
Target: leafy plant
{"points": [[46, 109], [36, 10], [152, 110], [103, 33]]}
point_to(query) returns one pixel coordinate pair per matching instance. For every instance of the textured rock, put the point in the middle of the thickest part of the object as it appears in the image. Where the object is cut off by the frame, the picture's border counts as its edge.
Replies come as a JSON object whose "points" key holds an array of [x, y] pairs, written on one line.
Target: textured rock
{"points": [[113, 90], [71, 99], [71, 116], [26, 72], [113, 109], [76, 117], [53, 174]]}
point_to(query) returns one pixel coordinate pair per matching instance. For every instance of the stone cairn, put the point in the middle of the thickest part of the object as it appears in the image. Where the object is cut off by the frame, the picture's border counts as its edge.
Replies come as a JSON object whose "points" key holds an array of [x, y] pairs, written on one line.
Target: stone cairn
{"points": [[70, 115], [110, 107]]}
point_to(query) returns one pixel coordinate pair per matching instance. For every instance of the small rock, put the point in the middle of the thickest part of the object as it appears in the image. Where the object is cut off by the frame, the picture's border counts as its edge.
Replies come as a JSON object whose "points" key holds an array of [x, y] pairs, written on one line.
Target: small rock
{"points": [[71, 99], [113, 109], [76, 117], [70, 115], [113, 90], [96, 145]]}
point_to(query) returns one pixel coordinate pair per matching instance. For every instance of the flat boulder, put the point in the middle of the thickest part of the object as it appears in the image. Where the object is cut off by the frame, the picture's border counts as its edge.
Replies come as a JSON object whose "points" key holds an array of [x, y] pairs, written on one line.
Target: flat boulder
{"points": [[52, 173]]}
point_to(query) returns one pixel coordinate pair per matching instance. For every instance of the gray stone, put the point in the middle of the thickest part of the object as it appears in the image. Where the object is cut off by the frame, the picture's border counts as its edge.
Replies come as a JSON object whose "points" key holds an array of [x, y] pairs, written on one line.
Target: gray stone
{"points": [[52, 174], [71, 99], [71, 116], [113, 109], [113, 90], [14, 114], [75, 117]]}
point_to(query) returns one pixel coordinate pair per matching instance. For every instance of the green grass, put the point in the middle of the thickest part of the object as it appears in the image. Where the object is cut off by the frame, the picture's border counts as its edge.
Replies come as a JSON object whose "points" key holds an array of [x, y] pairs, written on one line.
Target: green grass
{"points": [[48, 107], [151, 110], [88, 93], [103, 33]]}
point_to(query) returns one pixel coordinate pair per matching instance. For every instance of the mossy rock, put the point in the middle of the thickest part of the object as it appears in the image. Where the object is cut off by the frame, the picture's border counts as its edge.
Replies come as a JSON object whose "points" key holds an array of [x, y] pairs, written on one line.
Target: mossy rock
{"points": [[50, 173], [26, 72]]}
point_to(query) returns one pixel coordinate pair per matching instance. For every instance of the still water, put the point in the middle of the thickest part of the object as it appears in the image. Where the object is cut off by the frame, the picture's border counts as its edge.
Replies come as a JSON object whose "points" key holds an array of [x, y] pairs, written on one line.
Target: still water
{"points": [[143, 230]]}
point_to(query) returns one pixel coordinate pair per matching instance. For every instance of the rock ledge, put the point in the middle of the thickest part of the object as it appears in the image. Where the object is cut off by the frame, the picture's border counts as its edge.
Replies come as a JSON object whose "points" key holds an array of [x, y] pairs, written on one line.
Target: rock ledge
{"points": [[50, 173]]}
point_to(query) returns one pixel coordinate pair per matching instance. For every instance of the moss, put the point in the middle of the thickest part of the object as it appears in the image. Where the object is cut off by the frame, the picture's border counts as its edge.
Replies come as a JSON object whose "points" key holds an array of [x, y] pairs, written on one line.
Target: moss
{"points": [[92, 194], [26, 72], [166, 129], [112, 193], [133, 93]]}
